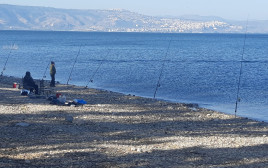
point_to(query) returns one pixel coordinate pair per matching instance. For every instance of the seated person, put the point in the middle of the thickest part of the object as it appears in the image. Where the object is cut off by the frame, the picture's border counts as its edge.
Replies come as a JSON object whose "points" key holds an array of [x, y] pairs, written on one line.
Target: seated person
{"points": [[28, 83]]}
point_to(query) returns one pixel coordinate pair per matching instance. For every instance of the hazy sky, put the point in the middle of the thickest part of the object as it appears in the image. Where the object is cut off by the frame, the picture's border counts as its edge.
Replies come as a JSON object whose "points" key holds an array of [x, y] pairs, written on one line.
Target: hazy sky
{"points": [[229, 9]]}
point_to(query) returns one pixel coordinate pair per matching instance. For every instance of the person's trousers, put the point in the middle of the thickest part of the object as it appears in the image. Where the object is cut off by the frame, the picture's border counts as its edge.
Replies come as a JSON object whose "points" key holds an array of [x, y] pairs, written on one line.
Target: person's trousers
{"points": [[52, 83]]}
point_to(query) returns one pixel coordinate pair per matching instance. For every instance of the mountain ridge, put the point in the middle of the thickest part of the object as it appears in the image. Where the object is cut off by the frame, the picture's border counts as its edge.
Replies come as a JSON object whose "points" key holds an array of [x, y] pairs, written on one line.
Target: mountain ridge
{"points": [[14, 17]]}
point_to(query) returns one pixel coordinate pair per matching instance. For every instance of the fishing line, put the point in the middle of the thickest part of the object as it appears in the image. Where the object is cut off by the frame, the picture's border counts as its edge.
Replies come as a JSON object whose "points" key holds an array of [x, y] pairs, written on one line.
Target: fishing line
{"points": [[162, 69], [241, 70], [91, 79], [4, 68], [74, 65]]}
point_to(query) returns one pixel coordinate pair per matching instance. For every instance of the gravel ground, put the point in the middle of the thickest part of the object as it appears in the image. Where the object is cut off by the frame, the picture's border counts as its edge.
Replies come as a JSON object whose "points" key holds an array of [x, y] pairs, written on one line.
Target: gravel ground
{"points": [[116, 130]]}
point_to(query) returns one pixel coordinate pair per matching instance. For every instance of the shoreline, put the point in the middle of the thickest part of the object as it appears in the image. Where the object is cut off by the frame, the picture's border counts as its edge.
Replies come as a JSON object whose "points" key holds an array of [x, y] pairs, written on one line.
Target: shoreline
{"points": [[198, 104], [118, 130]]}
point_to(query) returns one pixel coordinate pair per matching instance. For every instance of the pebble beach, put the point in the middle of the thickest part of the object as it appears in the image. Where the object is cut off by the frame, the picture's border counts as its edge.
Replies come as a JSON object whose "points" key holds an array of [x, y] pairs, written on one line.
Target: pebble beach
{"points": [[117, 130]]}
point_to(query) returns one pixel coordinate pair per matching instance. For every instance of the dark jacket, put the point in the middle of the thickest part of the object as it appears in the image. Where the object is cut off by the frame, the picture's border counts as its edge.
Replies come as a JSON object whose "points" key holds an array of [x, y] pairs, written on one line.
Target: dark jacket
{"points": [[28, 80]]}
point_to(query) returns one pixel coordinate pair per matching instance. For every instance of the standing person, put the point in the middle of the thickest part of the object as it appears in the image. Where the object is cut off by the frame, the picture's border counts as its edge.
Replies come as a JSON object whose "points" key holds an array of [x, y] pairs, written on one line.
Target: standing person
{"points": [[52, 74], [28, 83]]}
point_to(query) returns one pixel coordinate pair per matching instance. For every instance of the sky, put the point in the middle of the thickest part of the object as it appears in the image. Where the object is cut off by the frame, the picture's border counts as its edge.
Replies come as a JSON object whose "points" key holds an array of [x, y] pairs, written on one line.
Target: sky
{"points": [[228, 9]]}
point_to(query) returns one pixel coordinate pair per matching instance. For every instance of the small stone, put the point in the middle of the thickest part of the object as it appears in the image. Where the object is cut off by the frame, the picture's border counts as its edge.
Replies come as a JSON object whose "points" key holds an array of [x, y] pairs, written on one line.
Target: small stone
{"points": [[69, 119], [139, 150]]}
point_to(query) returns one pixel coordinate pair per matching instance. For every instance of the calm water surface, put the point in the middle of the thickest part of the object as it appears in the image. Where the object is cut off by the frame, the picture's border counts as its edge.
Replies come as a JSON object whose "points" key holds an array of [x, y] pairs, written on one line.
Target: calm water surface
{"points": [[197, 68]]}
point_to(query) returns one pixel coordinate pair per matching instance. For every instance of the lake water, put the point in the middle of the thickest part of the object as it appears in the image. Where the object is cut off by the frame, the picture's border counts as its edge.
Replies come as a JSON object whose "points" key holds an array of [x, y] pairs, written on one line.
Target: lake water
{"points": [[195, 68]]}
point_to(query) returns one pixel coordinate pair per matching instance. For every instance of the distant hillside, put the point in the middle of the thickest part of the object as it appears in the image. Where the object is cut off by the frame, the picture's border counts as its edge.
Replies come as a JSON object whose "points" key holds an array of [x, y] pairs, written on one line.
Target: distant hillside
{"points": [[42, 18]]}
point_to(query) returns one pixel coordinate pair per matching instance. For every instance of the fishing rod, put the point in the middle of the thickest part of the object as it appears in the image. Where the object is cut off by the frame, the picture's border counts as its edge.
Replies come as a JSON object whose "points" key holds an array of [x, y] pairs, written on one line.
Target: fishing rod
{"points": [[162, 69], [44, 75], [4, 68], [91, 79], [240, 72], [74, 64]]}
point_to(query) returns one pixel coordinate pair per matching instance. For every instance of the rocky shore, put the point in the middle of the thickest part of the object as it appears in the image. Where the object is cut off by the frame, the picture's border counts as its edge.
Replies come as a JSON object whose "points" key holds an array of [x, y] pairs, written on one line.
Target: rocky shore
{"points": [[116, 130]]}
